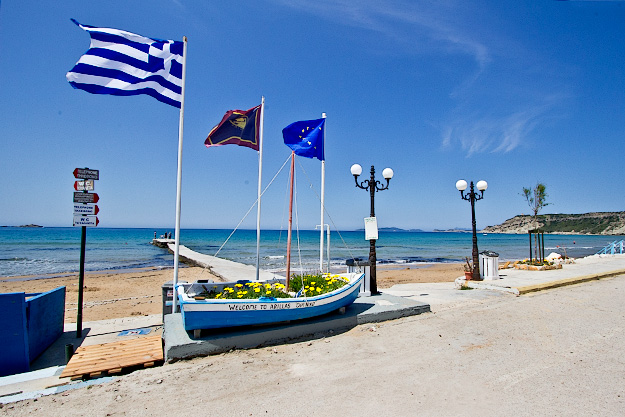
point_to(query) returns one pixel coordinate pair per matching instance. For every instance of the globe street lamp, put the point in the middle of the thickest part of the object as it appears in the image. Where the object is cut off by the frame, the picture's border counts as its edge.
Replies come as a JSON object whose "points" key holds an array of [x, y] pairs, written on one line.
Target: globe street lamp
{"points": [[372, 185], [472, 197]]}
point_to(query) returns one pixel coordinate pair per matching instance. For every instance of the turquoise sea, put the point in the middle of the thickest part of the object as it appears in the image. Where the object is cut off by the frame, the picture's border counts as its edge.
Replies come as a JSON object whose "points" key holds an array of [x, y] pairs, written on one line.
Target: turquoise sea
{"points": [[52, 250]]}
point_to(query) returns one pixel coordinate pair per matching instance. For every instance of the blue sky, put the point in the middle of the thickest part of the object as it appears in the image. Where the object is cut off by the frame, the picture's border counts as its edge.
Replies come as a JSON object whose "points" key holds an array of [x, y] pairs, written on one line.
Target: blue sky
{"points": [[511, 92]]}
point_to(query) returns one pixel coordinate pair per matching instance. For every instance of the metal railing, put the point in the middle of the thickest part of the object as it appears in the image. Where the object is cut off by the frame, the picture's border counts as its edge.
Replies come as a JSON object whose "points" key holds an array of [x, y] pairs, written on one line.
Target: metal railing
{"points": [[613, 248]]}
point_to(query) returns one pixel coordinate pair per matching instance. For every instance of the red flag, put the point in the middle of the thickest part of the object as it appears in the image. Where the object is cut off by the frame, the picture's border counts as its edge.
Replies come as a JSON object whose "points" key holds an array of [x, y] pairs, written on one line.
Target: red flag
{"points": [[238, 127]]}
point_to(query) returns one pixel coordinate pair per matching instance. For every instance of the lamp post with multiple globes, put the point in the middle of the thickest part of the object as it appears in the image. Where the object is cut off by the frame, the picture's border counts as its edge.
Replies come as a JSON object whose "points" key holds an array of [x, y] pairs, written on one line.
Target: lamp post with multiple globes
{"points": [[472, 197], [372, 186]]}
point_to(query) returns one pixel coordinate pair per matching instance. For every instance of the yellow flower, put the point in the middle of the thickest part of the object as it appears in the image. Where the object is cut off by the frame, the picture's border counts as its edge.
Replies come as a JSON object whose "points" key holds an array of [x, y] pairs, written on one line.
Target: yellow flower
{"points": [[268, 293], [256, 289], [218, 295], [238, 285], [313, 283], [318, 289]]}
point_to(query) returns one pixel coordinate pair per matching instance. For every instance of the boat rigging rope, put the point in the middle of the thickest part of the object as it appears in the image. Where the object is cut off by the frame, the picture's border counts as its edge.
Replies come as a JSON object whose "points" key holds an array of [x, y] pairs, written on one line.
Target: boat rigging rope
{"points": [[326, 212], [254, 204]]}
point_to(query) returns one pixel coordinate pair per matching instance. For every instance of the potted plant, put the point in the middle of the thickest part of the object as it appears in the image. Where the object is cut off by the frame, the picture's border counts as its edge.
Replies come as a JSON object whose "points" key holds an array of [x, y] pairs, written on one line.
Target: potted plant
{"points": [[468, 269]]}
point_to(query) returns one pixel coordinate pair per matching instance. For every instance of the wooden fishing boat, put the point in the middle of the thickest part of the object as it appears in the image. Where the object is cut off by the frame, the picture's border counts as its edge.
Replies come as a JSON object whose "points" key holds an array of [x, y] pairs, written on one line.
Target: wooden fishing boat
{"points": [[215, 313], [200, 312]]}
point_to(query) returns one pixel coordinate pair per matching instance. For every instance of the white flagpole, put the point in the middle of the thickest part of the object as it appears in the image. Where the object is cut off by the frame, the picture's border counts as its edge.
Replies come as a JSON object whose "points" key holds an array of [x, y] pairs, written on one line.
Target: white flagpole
{"points": [[260, 177], [179, 178], [323, 188]]}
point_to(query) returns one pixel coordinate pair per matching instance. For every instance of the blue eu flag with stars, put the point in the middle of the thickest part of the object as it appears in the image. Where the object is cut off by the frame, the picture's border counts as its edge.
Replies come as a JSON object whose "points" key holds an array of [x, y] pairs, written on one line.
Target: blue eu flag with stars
{"points": [[305, 138]]}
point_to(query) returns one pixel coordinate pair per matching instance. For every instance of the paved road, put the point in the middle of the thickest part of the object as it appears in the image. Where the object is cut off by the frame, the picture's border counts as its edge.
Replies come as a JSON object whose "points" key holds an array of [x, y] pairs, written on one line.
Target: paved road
{"points": [[557, 352]]}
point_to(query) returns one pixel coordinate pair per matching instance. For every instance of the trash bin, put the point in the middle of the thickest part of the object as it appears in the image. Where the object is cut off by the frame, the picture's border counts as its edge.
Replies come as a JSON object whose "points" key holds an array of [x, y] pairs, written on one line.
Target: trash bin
{"points": [[359, 265], [168, 296], [489, 265]]}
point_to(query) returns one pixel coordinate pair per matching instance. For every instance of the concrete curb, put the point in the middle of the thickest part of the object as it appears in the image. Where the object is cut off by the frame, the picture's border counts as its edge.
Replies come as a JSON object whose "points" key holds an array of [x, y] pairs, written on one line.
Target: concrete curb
{"points": [[480, 285], [520, 290], [569, 281], [180, 344]]}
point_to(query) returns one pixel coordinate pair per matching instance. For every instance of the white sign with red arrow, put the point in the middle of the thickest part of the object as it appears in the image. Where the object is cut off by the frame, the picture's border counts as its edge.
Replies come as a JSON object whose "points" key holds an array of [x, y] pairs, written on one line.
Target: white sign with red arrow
{"points": [[86, 209], [84, 185], [89, 221]]}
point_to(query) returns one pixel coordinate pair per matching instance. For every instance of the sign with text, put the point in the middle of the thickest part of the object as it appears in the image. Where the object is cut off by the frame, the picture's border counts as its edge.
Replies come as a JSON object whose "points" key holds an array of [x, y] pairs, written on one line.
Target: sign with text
{"points": [[371, 228], [80, 197], [85, 209], [87, 174], [89, 221], [84, 185]]}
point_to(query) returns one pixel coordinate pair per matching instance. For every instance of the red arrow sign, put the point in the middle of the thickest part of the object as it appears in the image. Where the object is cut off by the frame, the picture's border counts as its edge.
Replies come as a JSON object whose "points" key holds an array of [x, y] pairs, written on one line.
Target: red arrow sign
{"points": [[91, 221], [81, 208], [83, 185], [80, 197], [86, 174]]}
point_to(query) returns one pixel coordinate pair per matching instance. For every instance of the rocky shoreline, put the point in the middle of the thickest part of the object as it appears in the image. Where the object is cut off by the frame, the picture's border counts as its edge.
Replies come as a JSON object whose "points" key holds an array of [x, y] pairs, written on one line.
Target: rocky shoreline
{"points": [[597, 223]]}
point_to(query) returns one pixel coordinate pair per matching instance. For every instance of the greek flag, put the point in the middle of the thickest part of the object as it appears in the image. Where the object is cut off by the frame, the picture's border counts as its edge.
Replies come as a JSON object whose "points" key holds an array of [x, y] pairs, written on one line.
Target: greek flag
{"points": [[125, 64]]}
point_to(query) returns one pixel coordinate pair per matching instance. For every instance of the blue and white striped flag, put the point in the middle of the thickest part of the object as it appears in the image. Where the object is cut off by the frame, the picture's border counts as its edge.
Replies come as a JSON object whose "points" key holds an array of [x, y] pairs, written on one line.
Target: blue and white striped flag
{"points": [[125, 64]]}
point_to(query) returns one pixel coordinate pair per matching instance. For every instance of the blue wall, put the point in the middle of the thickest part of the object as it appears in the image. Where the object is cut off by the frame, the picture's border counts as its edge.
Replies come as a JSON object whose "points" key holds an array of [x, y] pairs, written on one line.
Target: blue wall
{"points": [[45, 315], [14, 357], [29, 327]]}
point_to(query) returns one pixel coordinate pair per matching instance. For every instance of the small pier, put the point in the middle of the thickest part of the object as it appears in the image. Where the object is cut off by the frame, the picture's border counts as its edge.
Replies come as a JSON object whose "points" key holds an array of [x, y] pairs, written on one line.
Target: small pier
{"points": [[222, 268]]}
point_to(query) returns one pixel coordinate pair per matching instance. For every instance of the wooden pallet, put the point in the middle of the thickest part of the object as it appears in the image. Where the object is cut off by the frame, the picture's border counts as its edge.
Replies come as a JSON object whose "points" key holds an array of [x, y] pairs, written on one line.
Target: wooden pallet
{"points": [[110, 358]]}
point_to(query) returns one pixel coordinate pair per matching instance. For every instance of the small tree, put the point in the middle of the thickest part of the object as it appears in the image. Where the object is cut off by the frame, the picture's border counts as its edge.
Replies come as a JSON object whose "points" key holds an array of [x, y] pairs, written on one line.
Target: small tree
{"points": [[536, 198]]}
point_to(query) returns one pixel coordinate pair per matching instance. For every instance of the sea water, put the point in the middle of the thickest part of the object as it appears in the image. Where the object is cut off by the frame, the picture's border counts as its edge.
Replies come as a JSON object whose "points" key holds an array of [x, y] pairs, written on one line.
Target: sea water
{"points": [[42, 251]]}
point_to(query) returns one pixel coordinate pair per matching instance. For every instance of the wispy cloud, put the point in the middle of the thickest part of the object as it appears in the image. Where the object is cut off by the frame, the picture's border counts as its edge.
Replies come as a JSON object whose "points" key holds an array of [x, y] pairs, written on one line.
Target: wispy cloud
{"points": [[447, 28], [486, 133], [428, 24]]}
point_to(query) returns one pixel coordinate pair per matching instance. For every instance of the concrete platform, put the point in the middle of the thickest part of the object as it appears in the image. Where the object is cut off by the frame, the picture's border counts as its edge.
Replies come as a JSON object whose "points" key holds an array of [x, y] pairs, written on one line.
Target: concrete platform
{"points": [[517, 281], [223, 268], [180, 344]]}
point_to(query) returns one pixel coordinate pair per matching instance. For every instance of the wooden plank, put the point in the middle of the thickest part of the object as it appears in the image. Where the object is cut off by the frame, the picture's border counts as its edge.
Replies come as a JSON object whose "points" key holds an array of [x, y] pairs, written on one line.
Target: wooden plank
{"points": [[96, 360]]}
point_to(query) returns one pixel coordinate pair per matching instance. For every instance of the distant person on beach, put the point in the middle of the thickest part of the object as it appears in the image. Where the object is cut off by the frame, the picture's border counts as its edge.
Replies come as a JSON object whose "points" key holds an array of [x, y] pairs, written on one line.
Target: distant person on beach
{"points": [[155, 234], [169, 235]]}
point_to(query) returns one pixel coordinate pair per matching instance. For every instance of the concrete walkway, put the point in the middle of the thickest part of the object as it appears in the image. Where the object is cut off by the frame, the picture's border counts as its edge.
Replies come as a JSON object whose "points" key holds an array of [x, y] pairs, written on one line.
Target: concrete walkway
{"points": [[223, 268], [584, 269], [438, 296], [512, 282]]}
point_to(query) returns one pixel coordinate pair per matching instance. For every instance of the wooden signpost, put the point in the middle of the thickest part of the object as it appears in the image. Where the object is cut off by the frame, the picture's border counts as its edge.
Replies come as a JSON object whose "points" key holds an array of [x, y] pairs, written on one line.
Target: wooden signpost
{"points": [[85, 212]]}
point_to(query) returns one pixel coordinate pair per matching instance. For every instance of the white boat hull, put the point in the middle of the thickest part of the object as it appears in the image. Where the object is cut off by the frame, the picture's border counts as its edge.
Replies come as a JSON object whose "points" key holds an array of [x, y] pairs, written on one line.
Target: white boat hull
{"points": [[215, 313]]}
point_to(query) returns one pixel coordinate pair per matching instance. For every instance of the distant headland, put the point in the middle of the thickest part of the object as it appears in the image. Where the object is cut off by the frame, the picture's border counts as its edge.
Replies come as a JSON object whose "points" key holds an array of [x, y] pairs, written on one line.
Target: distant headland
{"points": [[598, 223], [25, 225], [394, 229]]}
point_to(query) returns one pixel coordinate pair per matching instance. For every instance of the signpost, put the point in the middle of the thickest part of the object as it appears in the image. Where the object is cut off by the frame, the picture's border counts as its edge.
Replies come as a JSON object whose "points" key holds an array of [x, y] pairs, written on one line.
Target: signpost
{"points": [[84, 185], [86, 221], [86, 209], [87, 174], [85, 212], [85, 197]]}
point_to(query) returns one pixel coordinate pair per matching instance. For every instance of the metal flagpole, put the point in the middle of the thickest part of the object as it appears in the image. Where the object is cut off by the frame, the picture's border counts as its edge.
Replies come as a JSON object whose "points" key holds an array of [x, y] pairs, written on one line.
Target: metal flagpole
{"points": [[260, 177], [179, 179], [323, 188], [289, 236]]}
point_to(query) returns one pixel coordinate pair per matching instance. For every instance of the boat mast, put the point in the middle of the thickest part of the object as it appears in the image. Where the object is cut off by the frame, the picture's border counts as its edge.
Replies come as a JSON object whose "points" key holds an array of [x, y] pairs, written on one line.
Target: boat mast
{"points": [[288, 243], [260, 176], [323, 187]]}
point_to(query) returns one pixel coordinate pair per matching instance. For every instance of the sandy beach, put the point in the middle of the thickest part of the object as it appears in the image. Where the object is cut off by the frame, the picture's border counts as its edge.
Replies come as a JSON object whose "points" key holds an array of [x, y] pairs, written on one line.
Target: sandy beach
{"points": [[109, 295]]}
